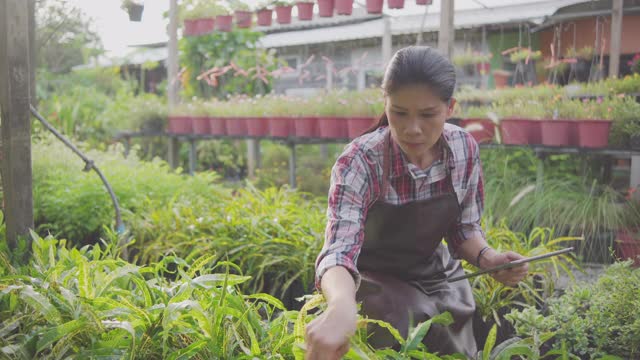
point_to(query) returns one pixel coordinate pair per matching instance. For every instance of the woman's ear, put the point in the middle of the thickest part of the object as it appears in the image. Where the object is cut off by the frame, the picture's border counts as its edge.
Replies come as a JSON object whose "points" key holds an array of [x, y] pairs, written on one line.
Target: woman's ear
{"points": [[451, 107]]}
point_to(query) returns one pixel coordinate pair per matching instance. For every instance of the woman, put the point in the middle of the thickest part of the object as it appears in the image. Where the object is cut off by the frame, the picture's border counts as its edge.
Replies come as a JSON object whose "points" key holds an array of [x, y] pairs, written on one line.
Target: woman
{"points": [[395, 193]]}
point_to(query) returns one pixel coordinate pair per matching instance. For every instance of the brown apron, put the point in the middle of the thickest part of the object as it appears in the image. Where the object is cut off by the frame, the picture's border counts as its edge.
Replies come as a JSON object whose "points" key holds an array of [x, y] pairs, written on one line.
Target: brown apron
{"points": [[404, 267]]}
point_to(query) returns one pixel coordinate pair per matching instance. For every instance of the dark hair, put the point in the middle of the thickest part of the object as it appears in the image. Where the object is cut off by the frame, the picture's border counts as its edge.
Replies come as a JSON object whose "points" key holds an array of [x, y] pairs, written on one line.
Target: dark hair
{"points": [[418, 65]]}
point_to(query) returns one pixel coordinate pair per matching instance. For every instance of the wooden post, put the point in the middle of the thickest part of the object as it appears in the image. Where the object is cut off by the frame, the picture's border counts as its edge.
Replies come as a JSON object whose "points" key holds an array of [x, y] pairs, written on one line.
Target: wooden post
{"points": [[446, 35], [616, 38], [15, 78], [172, 78]]}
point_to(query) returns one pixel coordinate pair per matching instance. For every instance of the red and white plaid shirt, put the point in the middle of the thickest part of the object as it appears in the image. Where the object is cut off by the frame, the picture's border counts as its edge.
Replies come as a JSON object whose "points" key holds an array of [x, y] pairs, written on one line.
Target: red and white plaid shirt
{"points": [[356, 179]]}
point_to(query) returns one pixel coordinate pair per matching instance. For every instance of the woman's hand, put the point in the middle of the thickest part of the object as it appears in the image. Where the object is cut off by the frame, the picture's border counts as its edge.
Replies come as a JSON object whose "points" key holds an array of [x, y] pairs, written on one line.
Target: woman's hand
{"points": [[327, 336], [509, 277]]}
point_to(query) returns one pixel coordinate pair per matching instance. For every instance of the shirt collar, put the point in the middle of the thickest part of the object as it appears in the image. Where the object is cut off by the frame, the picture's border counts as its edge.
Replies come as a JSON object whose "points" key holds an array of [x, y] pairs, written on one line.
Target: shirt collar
{"points": [[400, 164]]}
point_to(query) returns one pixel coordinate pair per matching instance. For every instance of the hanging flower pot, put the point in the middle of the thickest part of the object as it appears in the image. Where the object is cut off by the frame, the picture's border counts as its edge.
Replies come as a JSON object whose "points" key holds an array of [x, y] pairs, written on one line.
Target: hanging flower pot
{"points": [[357, 125], [280, 126], [395, 4], [205, 26], [424, 2], [191, 27], [305, 127], [283, 14], [264, 17], [374, 6], [258, 126], [333, 127], [344, 7], [217, 126], [305, 11], [593, 133], [224, 23], [325, 8], [557, 132], [237, 126], [483, 68], [515, 131], [134, 9], [482, 130], [200, 125], [180, 125], [243, 19]]}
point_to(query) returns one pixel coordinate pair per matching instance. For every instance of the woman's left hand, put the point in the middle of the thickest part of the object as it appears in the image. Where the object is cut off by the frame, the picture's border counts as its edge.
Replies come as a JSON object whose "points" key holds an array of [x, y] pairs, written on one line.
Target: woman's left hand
{"points": [[509, 277]]}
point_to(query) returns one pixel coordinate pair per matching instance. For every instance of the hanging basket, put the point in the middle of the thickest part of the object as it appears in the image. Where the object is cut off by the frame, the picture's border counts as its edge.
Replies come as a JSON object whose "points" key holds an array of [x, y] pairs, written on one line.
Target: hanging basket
{"points": [[374, 6], [135, 11], [283, 14], [224, 23], [243, 19], [344, 7], [305, 11], [325, 8], [395, 4], [265, 17]]}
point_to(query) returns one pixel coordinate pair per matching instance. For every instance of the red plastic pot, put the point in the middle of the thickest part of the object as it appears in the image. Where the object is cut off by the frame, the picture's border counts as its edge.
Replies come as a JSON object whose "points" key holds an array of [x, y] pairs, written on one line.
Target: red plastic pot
{"points": [[206, 26], [374, 6], [305, 11], [482, 130], [424, 2], [357, 125], [237, 126], [483, 68], [306, 127], [628, 245], [557, 132], [501, 78], [333, 128], [395, 4], [200, 125], [191, 27], [344, 7], [593, 133], [243, 18], [280, 126], [283, 14], [217, 126], [224, 23], [264, 17], [325, 8], [180, 125], [516, 131], [258, 126]]}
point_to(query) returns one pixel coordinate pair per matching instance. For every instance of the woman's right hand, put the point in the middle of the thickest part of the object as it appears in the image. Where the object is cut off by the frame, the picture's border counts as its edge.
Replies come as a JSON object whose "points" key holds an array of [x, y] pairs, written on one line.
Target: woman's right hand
{"points": [[327, 336]]}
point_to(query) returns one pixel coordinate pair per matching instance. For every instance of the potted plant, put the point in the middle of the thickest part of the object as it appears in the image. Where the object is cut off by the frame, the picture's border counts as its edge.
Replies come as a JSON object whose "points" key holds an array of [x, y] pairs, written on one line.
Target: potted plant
{"points": [[305, 10], [395, 4], [180, 121], [325, 8], [305, 122], [330, 124], [424, 2], [374, 6], [217, 123], [501, 78], [242, 13], [628, 237], [465, 61], [634, 64], [264, 15], [344, 7], [482, 61], [593, 128], [199, 118], [519, 124], [257, 120], [477, 122], [224, 19], [283, 11], [134, 8], [582, 64]]}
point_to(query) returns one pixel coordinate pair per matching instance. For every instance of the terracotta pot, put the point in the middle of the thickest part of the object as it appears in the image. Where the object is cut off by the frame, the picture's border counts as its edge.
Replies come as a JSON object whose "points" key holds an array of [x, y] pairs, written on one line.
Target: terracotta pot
{"points": [[593, 133], [501, 78], [357, 125], [200, 125], [264, 17], [280, 126], [217, 126], [205, 26], [332, 127], [344, 7], [243, 19], [305, 11], [236, 126], [374, 6], [628, 245], [557, 132], [224, 23], [325, 8], [482, 130], [395, 4], [283, 14], [306, 127], [190, 27], [258, 126], [515, 131], [180, 125], [424, 2]]}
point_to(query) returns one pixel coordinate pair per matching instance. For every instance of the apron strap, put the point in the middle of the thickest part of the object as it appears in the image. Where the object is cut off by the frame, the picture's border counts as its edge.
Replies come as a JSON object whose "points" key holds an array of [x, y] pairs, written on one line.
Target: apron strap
{"points": [[386, 162]]}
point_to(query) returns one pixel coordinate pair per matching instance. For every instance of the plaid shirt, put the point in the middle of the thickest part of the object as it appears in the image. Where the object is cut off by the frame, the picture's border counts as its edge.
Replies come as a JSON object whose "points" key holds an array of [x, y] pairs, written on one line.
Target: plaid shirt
{"points": [[356, 181]]}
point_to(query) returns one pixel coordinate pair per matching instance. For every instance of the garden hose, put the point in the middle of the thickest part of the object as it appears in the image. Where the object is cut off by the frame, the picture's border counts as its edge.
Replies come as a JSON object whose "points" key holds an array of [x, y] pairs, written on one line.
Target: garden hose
{"points": [[89, 165]]}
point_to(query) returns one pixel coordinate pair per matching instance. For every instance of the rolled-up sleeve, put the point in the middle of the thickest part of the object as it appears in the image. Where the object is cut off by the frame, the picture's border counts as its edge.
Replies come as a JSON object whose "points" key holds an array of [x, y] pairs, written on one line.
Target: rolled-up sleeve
{"points": [[350, 193], [472, 204]]}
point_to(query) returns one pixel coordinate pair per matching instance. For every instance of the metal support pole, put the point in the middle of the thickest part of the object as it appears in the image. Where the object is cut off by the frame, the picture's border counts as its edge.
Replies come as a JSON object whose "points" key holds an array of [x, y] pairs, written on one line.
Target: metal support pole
{"points": [[616, 38], [446, 35], [172, 76], [292, 165], [193, 156], [387, 42]]}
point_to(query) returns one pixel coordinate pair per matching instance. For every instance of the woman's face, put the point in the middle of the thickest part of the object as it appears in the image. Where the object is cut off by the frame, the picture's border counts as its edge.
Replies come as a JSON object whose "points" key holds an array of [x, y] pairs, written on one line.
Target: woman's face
{"points": [[416, 118]]}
